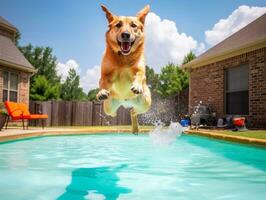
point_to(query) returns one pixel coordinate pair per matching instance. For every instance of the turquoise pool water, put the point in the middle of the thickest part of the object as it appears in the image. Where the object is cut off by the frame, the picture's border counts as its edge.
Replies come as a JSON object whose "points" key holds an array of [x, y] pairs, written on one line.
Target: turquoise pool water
{"points": [[124, 166]]}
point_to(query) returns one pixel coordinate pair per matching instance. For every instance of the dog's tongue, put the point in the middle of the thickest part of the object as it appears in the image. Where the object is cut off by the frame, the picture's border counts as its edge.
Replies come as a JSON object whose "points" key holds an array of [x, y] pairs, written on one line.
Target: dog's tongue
{"points": [[125, 46]]}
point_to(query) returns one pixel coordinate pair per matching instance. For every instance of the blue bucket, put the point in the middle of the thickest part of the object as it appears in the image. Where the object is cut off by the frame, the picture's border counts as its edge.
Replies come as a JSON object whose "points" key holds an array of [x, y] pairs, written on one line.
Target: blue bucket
{"points": [[184, 122]]}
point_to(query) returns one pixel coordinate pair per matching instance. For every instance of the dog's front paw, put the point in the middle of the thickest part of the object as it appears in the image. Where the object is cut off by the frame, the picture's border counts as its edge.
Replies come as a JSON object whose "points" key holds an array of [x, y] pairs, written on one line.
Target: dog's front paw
{"points": [[102, 94], [137, 88]]}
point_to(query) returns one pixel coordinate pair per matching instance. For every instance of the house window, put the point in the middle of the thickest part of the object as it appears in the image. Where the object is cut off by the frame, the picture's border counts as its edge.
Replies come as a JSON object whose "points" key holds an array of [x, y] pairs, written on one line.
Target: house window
{"points": [[10, 86], [237, 97]]}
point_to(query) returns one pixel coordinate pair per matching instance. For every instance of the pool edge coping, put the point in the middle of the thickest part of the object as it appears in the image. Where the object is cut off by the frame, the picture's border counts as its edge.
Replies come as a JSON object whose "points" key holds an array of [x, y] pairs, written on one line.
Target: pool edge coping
{"points": [[61, 132]]}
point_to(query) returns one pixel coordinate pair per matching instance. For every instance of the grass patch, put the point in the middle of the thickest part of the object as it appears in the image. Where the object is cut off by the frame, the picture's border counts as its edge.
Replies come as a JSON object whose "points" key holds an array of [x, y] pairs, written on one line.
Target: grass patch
{"points": [[258, 134]]}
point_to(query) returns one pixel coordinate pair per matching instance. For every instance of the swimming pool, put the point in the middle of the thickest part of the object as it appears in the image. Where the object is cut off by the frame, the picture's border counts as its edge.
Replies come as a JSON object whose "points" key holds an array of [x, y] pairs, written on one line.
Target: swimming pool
{"points": [[124, 166]]}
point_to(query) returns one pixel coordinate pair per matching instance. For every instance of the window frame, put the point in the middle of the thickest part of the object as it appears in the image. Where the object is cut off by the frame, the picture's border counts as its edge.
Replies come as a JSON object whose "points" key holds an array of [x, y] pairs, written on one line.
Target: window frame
{"points": [[226, 91], [8, 89]]}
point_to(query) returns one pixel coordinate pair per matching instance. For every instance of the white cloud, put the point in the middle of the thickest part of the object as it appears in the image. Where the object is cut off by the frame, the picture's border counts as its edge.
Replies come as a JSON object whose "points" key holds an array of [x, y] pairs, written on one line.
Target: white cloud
{"points": [[200, 49], [63, 68], [90, 80], [239, 18], [164, 44]]}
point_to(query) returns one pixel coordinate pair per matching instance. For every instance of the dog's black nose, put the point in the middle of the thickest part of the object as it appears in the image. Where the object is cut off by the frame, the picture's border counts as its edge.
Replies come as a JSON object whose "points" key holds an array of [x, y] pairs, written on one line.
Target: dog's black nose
{"points": [[125, 35]]}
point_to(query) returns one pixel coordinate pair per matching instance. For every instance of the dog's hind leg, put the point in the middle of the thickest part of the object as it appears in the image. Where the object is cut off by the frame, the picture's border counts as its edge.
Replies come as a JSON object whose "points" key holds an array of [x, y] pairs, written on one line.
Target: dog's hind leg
{"points": [[134, 121], [140, 105]]}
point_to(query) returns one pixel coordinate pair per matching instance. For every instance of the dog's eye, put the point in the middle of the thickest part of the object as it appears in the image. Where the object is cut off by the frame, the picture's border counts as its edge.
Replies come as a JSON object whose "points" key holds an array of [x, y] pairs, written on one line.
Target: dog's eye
{"points": [[119, 25], [133, 25]]}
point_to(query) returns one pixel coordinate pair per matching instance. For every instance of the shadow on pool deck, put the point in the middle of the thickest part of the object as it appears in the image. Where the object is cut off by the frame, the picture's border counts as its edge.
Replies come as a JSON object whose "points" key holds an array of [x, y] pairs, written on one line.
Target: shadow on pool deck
{"points": [[94, 181]]}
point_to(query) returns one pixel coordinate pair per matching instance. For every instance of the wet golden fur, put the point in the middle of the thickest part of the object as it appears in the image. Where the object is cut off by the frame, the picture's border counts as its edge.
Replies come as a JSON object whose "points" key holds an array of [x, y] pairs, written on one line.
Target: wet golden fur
{"points": [[123, 81]]}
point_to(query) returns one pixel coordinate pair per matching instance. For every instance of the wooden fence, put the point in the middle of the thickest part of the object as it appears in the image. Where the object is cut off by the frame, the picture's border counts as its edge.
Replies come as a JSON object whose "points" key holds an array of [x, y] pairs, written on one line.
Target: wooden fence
{"points": [[86, 113], [77, 113]]}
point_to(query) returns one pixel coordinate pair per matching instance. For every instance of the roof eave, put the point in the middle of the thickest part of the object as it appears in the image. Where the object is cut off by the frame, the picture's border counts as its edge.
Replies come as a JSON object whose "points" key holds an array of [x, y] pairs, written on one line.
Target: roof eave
{"points": [[226, 54], [13, 29], [18, 67]]}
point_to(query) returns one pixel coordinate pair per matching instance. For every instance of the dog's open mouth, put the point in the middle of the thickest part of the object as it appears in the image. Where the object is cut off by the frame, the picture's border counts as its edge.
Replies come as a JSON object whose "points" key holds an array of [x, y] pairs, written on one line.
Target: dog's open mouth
{"points": [[125, 47]]}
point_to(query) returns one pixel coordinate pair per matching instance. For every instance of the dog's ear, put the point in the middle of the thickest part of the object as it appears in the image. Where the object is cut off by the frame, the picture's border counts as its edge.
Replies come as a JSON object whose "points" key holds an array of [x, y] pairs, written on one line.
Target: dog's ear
{"points": [[142, 14], [109, 15]]}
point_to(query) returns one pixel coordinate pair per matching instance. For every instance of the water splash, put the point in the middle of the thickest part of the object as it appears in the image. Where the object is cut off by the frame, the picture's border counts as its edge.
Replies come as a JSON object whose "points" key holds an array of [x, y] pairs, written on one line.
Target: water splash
{"points": [[163, 136], [197, 107], [107, 122]]}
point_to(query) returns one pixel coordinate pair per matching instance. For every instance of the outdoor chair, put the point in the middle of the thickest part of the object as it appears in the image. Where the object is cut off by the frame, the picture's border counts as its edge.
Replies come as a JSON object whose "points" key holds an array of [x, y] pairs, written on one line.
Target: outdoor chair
{"points": [[20, 111]]}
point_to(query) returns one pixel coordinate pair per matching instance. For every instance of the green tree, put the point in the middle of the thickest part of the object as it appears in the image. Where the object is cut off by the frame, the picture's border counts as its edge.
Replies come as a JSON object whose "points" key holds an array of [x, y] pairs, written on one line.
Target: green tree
{"points": [[45, 82], [70, 88], [172, 79], [42, 90], [92, 94], [43, 60], [17, 38], [152, 78], [190, 56]]}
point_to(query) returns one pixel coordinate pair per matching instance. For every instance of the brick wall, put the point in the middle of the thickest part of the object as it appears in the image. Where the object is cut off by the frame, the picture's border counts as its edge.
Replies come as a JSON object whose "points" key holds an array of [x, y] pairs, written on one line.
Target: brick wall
{"points": [[257, 86], [23, 87], [1, 84], [207, 85]]}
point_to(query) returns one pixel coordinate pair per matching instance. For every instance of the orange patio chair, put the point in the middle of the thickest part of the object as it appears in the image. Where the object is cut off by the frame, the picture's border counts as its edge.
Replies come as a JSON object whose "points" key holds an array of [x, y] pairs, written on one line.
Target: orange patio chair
{"points": [[20, 111], [13, 111]]}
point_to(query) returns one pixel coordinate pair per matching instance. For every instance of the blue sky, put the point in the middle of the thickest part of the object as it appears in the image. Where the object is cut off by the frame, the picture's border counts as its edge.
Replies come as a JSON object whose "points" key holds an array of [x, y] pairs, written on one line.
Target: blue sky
{"points": [[75, 29]]}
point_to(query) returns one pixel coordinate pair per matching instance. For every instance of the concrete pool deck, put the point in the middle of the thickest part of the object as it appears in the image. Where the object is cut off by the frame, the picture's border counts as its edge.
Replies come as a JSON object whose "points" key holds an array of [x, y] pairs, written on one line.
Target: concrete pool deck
{"points": [[17, 133]]}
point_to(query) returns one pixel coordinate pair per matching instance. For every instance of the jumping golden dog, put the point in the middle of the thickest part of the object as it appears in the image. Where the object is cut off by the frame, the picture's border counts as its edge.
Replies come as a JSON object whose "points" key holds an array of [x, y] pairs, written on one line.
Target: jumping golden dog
{"points": [[123, 80]]}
